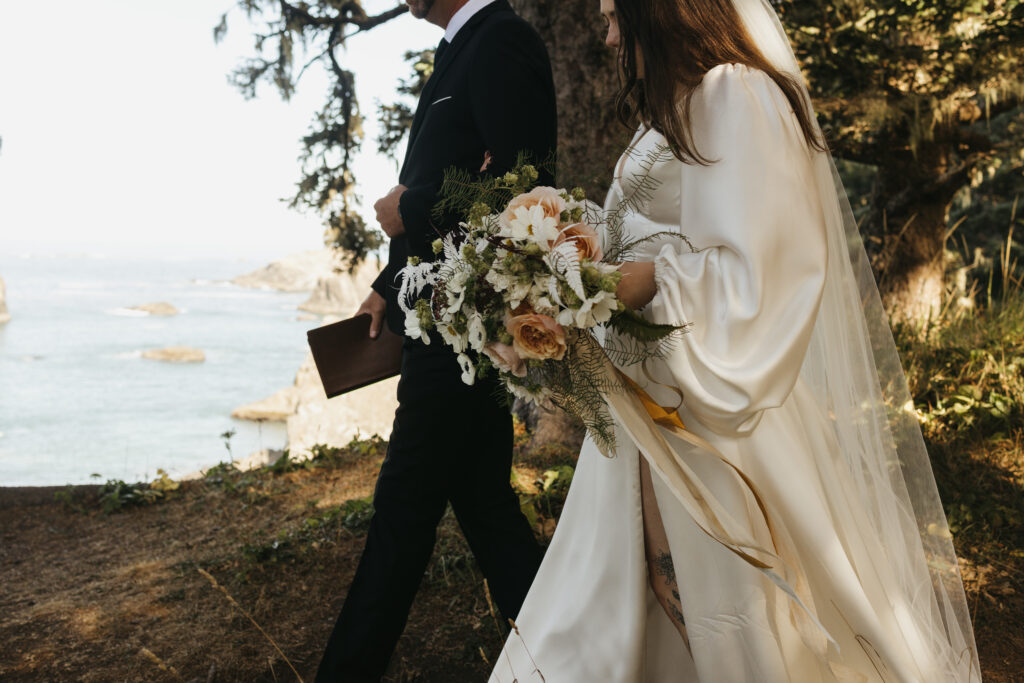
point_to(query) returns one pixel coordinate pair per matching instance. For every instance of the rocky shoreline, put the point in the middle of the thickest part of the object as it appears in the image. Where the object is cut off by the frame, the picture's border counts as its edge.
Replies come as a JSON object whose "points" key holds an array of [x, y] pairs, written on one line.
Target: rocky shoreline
{"points": [[311, 418]]}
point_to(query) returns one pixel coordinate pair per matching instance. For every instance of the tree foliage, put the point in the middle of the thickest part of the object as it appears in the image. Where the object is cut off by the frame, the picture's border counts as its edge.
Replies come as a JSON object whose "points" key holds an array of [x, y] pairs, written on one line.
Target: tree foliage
{"points": [[303, 34], [922, 97], [910, 87], [287, 34], [396, 118]]}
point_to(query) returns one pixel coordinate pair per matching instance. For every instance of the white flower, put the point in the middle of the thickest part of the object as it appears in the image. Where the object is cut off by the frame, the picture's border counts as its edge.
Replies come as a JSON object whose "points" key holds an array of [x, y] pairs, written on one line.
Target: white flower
{"points": [[412, 326], [468, 371], [532, 224], [596, 309], [499, 280], [540, 293], [522, 392], [477, 332], [456, 287], [542, 283], [457, 341], [542, 304], [571, 205], [517, 291]]}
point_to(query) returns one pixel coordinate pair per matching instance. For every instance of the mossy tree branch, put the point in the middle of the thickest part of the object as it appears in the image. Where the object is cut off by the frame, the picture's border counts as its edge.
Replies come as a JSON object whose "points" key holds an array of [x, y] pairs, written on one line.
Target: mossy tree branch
{"points": [[312, 32]]}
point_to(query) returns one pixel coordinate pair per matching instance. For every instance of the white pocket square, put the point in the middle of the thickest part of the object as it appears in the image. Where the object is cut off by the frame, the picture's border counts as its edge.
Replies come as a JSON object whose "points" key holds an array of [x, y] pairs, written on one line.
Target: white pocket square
{"points": [[440, 100]]}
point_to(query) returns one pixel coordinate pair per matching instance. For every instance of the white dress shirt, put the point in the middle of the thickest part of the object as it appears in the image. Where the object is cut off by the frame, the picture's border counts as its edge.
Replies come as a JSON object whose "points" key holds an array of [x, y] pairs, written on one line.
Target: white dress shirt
{"points": [[464, 14]]}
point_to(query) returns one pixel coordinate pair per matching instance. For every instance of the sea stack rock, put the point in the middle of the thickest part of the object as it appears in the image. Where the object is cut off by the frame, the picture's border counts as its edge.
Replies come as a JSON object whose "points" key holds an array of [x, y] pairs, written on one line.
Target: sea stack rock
{"points": [[311, 418], [158, 308], [335, 422], [340, 293], [296, 273], [276, 408], [175, 354], [4, 315]]}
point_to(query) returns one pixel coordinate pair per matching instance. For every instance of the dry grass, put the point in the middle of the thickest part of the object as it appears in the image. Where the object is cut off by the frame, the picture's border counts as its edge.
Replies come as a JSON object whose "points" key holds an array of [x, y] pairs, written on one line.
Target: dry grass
{"points": [[88, 596], [966, 374]]}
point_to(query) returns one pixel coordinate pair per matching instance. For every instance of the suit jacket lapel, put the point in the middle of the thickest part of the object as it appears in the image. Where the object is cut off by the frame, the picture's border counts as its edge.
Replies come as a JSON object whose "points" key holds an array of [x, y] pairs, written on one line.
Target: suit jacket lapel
{"points": [[426, 97]]}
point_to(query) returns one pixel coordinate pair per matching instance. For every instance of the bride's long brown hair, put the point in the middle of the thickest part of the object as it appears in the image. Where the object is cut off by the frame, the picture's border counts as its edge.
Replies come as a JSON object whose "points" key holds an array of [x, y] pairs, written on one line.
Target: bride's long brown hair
{"points": [[681, 40]]}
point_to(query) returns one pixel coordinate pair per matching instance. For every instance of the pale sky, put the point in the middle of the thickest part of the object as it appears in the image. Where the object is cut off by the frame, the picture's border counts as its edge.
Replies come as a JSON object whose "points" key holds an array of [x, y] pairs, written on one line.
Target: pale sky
{"points": [[121, 133]]}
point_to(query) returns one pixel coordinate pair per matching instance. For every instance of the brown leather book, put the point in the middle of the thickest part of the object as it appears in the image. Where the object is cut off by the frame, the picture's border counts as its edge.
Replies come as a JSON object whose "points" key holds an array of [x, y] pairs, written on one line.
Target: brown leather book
{"points": [[347, 359]]}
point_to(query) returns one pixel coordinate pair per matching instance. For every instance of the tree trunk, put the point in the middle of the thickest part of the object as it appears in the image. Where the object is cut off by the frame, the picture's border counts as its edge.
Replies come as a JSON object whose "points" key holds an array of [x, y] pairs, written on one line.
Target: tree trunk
{"points": [[905, 230], [589, 133]]}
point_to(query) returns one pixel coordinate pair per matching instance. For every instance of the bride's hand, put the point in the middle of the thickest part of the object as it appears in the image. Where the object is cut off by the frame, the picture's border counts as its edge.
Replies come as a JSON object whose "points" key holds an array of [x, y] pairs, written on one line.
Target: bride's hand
{"points": [[637, 287]]}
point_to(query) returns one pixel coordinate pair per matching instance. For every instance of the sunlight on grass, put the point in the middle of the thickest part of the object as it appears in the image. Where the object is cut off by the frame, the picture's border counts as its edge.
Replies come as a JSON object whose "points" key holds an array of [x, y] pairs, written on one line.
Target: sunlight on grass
{"points": [[966, 376]]}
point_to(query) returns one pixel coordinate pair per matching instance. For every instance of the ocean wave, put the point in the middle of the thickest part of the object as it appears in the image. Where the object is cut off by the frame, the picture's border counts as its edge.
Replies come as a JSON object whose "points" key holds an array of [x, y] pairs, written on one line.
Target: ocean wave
{"points": [[127, 313], [229, 294], [201, 282], [89, 286]]}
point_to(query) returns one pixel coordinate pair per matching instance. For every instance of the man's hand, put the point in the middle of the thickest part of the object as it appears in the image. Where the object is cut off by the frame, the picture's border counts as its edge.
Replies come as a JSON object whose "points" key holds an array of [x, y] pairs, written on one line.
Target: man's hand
{"points": [[375, 305], [387, 212]]}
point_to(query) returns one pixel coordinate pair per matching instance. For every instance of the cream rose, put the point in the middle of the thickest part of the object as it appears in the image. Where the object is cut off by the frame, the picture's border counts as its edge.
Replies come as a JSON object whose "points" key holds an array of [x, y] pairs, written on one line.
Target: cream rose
{"points": [[545, 197], [505, 358], [586, 239], [536, 336]]}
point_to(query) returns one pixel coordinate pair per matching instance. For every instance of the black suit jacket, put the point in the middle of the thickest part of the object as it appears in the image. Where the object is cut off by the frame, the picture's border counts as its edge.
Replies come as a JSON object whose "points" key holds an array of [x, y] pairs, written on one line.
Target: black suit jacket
{"points": [[491, 91]]}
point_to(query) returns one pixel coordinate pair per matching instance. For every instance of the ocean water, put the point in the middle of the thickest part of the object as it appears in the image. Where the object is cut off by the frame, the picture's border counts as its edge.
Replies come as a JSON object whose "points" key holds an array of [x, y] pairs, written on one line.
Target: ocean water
{"points": [[78, 400]]}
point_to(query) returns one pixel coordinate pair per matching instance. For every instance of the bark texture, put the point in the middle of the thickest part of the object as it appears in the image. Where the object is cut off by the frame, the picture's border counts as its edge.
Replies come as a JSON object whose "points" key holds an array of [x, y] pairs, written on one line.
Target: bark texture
{"points": [[906, 226], [589, 133]]}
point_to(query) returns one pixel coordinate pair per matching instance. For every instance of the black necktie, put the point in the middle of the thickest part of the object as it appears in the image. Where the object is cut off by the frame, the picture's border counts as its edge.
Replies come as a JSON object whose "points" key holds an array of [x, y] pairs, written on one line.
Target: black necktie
{"points": [[441, 47]]}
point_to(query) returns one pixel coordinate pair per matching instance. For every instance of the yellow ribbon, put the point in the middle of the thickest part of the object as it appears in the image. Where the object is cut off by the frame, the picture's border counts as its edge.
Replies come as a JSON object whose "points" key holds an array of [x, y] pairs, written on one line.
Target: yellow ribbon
{"points": [[666, 417]]}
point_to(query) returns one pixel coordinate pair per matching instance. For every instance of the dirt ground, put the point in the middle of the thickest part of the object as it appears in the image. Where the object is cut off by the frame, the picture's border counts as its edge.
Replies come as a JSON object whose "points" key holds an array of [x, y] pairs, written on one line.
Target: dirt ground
{"points": [[89, 596], [85, 595]]}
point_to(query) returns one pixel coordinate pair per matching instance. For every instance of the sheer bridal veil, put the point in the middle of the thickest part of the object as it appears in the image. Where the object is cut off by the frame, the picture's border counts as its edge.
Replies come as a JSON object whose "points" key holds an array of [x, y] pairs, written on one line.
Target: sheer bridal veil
{"points": [[853, 368]]}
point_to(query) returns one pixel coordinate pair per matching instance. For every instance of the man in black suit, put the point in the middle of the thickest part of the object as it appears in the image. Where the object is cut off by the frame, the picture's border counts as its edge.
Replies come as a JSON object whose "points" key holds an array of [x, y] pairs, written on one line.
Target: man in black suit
{"points": [[491, 96]]}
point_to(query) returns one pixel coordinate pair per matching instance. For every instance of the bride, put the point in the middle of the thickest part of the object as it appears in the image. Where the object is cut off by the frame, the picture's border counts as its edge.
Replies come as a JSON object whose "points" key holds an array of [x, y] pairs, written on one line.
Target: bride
{"points": [[812, 454]]}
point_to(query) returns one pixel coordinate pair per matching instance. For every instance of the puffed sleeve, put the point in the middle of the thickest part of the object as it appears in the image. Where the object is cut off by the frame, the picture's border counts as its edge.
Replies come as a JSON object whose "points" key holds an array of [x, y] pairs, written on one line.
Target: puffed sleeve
{"points": [[752, 289]]}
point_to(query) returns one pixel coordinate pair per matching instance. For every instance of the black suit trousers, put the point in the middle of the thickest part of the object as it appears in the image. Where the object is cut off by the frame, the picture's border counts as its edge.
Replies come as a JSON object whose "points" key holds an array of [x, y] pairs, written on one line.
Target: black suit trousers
{"points": [[450, 443]]}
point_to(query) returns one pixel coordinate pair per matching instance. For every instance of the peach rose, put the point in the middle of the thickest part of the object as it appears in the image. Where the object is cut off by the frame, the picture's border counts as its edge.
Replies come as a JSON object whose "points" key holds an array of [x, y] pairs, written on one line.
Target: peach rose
{"points": [[546, 197], [586, 239], [505, 358], [536, 336]]}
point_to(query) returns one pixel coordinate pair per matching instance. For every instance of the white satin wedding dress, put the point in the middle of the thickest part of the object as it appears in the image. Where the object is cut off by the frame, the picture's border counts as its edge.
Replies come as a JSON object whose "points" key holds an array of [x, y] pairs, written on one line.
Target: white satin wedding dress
{"points": [[751, 279]]}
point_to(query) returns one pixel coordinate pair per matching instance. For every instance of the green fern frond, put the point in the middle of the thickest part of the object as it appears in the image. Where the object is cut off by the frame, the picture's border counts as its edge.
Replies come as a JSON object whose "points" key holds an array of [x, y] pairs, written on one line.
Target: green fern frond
{"points": [[631, 324]]}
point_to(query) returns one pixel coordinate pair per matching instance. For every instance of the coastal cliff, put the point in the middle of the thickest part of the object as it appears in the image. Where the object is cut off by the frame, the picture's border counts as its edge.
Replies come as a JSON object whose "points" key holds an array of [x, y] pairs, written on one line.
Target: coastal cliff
{"points": [[294, 273], [311, 418]]}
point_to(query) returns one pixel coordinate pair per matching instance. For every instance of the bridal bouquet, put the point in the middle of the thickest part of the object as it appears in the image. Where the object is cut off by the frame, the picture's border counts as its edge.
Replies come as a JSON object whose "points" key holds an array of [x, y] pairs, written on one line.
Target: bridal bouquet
{"points": [[522, 287]]}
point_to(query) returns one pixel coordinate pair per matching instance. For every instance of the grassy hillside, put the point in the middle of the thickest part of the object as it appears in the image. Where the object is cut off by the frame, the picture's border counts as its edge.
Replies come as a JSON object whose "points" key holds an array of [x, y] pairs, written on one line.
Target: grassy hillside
{"points": [[115, 583]]}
